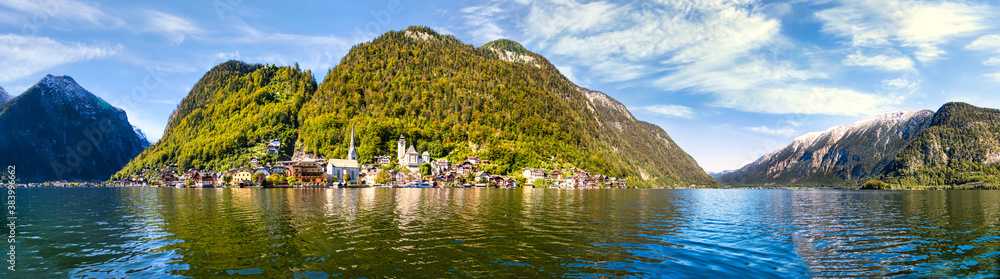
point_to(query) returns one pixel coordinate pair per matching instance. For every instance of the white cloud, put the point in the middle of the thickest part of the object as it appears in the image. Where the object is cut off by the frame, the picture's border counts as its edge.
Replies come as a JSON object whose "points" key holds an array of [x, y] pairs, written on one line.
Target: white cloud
{"points": [[776, 132], [922, 26], [993, 76], [482, 20], [987, 43], [23, 56], [174, 28], [899, 84], [805, 99], [722, 48], [992, 61], [36, 14], [881, 62], [671, 110]]}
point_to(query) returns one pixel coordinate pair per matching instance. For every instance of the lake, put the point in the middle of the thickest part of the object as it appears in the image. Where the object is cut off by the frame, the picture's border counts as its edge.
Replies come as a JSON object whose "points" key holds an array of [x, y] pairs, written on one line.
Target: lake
{"points": [[529, 233]]}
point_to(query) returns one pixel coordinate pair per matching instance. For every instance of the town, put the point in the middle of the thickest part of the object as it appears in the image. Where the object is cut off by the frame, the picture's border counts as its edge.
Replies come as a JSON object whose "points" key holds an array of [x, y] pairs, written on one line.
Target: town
{"points": [[409, 170]]}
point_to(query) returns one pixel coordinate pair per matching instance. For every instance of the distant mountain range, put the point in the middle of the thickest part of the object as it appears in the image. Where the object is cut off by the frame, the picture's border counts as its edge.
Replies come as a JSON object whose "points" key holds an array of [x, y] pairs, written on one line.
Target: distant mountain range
{"points": [[498, 101], [905, 148], [4, 97], [56, 130]]}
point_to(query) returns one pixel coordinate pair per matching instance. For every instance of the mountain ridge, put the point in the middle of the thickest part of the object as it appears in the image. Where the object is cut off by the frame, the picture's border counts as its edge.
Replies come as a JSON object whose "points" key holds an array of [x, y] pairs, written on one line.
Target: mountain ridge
{"points": [[839, 156], [57, 130], [498, 101]]}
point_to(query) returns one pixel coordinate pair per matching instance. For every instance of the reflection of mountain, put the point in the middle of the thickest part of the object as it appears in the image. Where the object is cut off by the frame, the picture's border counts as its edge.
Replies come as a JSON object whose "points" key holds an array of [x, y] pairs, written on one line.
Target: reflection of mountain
{"points": [[57, 130]]}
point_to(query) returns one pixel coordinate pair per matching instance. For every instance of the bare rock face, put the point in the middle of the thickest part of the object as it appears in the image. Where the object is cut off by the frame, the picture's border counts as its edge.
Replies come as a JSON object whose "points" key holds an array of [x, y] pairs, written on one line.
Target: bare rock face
{"points": [[838, 156], [56, 130]]}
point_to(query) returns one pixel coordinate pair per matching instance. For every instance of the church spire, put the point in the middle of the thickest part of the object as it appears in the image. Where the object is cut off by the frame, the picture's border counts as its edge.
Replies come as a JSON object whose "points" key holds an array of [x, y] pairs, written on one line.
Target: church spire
{"points": [[351, 153]]}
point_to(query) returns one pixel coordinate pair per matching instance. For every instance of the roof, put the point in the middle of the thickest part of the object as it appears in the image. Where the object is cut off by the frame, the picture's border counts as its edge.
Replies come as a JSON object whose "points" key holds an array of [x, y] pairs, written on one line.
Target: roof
{"points": [[411, 150], [342, 163], [425, 153]]}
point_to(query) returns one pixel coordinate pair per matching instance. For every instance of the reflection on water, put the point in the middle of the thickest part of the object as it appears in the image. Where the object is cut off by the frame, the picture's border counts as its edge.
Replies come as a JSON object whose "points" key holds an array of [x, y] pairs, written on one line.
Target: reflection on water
{"points": [[319, 233]]}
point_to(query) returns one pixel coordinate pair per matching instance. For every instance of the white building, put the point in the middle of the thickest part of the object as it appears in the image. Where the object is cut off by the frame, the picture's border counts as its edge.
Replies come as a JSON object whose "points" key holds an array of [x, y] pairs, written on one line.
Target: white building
{"points": [[338, 167], [408, 157]]}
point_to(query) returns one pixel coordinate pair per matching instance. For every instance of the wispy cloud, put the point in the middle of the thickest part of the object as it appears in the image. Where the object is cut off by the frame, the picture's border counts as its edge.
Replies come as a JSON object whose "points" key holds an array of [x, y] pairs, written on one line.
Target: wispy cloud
{"points": [[34, 14], [174, 28], [671, 110], [986, 43], [992, 61], [775, 132], [881, 62], [23, 56], [482, 20], [921, 26], [993, 76], [721, 48]]}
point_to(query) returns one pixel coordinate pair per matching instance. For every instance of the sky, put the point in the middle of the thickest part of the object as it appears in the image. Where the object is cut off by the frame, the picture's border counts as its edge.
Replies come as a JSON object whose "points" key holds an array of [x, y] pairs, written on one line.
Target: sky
{"points": [[729, 80]]}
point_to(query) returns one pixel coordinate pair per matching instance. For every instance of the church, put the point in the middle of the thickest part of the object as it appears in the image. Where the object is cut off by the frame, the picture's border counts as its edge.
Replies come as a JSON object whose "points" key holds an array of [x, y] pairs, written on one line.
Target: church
{"points": [[408, 157], [336, 168]]}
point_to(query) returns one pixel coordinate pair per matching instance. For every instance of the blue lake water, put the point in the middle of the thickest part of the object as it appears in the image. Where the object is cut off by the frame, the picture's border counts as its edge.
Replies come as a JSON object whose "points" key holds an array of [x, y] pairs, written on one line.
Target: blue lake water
{"points": [[529, 233]]}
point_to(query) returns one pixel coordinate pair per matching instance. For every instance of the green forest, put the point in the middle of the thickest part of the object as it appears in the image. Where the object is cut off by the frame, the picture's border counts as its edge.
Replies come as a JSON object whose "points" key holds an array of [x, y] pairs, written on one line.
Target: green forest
{"points": [[961, 147], [448, 98]]}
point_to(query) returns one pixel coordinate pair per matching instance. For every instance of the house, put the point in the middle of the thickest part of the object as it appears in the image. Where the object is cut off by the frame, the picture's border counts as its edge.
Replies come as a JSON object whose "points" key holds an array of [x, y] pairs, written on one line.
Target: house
{"points": [[472, 159], [281, 169], [205, 179], [483, 176], [242, 177], [465, 168], [307, 171], [273, 146], [425, 157], [382, 160], [255, 162], [556, 175], [440, 166]]}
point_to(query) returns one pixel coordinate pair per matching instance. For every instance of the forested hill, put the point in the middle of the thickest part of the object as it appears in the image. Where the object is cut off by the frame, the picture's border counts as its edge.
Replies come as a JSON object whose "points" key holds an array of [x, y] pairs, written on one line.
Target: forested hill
{"points": [[499, 101], [961, 146], [228, 115]]}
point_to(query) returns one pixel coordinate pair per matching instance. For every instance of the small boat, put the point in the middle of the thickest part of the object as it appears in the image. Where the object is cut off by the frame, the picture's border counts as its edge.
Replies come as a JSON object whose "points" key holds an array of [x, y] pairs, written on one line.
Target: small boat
{"points": [[419, 185]]}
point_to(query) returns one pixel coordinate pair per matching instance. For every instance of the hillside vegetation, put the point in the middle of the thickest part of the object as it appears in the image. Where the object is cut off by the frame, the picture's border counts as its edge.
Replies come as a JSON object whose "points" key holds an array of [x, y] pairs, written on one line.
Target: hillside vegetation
{"points": [[500, 102], [962, 146], [232, 109]]}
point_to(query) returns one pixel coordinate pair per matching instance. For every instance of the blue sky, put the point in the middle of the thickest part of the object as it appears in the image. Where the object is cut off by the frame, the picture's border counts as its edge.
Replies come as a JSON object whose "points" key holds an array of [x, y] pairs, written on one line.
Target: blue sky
{"points": [[728, 80]]}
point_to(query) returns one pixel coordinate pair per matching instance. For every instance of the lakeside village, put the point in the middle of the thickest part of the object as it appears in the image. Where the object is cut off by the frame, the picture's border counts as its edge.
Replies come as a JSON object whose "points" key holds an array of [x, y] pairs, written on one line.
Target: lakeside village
{"points": [[410, 170]]}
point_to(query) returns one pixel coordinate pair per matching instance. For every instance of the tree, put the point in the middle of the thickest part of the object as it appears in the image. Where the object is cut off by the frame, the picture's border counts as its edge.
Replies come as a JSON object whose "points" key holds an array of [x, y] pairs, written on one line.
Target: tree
{"points": [[189, 182], [227, 178], [382, 177], [541, 183], [290, 180], [259, 178], [347, 177], [425, 169], [876, 185]]}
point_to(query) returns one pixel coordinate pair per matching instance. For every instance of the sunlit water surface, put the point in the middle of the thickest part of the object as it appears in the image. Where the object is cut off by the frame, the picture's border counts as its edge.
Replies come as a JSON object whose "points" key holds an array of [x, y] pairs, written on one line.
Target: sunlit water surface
{"points": [[530, 233]]}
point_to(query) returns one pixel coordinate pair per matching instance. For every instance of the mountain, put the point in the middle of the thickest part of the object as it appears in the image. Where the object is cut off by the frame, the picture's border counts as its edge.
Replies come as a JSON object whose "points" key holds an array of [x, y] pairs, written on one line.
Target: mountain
{"points": [[498, 101], [4, 97], [961, 146], [718, 174], [56, 130], [839, 156], [228, 116]]}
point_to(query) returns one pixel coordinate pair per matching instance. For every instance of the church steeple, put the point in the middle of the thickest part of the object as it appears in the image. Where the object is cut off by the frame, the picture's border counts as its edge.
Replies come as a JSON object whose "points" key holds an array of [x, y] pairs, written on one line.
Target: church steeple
{"points": [[351, 153]]}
